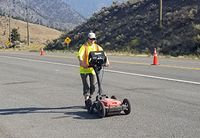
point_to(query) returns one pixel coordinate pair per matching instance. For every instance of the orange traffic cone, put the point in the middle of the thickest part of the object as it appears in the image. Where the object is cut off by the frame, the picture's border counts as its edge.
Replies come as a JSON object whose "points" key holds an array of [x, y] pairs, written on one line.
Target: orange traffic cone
{"points": [[155, 58], [42, 52]]}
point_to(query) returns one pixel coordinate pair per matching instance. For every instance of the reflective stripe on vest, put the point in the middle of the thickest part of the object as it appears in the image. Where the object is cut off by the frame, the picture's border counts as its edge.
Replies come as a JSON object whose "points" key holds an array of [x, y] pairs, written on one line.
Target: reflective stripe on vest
{"points": [[87, 54]]}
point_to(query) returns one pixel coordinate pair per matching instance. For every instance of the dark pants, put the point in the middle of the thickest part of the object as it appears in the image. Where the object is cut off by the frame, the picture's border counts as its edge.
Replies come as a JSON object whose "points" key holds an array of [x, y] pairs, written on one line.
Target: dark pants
{"points": [[88, 89]]}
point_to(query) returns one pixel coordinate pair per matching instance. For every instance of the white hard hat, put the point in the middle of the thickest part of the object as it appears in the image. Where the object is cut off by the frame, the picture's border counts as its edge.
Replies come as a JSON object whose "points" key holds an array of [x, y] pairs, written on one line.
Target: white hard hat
{"points": [[91, 36]]}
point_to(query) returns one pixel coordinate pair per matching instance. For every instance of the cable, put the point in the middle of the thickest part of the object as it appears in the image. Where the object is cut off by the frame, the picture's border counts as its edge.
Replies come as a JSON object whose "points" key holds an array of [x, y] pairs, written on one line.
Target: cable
{"points": [[101, 78]]}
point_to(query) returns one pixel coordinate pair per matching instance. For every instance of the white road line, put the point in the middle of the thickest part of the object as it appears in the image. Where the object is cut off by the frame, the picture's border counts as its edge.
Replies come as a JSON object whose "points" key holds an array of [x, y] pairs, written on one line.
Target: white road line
{"points": [[112, 71], [154, 77], [35, 60]]}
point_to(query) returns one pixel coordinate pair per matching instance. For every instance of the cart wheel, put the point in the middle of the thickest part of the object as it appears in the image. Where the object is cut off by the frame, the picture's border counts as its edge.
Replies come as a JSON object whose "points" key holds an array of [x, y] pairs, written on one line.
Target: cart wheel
{"points": [[101, 109], [113, 97], [88, 105], [128, 106]]}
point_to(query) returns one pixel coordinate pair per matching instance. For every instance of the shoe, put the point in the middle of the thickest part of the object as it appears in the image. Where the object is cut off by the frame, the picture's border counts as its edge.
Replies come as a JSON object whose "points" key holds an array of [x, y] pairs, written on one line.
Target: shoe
{"points": [[88, 105], [86, 97]]}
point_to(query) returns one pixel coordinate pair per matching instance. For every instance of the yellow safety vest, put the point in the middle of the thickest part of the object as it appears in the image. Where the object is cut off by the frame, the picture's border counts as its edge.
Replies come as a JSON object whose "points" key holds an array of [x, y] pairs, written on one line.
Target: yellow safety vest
{"points": [[83, 55]]}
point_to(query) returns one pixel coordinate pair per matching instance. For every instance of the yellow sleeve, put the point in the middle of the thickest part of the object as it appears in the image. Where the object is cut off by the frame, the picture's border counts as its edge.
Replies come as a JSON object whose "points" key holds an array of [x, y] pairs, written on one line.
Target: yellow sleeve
{"points": [[100, 48], [81, 52]]}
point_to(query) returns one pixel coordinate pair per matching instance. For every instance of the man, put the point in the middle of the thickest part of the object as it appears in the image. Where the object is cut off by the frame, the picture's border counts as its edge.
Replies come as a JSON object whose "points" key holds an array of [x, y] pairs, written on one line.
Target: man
{"points": [[85, 71]]}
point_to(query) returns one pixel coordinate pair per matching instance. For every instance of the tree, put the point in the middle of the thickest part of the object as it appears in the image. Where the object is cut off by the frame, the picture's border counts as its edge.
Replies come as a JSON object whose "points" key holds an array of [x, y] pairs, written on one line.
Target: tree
{"points": [[15, 36]]}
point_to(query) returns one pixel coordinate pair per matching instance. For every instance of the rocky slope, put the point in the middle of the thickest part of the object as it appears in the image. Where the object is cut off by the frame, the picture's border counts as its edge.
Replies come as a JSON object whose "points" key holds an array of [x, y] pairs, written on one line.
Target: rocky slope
{"points": [[134, 27]]}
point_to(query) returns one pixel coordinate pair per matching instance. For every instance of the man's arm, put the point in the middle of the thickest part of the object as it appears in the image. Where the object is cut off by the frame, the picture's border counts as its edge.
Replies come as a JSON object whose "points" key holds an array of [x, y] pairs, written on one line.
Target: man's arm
{"points": [[107, 61], [83, 64], [80, 57]]}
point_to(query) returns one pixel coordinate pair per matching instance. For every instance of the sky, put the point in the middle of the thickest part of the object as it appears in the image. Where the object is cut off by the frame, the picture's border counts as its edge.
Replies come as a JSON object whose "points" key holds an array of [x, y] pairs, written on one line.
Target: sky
{"points": [[88, 7]]}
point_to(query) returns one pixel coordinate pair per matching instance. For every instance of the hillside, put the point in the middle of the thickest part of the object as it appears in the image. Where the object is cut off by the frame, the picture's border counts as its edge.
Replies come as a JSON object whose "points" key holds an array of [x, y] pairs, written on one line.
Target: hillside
{"points": [[38, 34], [52, 13], [134, 27]]}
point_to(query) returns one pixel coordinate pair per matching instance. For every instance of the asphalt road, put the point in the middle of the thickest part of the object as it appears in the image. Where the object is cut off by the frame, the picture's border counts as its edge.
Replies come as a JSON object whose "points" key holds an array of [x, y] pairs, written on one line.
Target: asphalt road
{"points": [[41, 97]]}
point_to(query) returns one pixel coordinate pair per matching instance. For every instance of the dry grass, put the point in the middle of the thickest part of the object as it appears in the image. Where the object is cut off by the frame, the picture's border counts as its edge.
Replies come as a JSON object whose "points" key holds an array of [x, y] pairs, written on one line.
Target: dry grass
{"points": [[38, 34]]}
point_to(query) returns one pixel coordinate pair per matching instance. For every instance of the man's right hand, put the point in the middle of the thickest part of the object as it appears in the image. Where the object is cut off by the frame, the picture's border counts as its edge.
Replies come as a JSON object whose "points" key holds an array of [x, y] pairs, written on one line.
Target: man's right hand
{"points": [[83, 64]]}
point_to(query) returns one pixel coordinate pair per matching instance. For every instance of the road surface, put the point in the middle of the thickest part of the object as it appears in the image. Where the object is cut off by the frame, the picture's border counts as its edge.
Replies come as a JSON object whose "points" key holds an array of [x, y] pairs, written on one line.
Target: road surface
{"points": [[41, 97]]}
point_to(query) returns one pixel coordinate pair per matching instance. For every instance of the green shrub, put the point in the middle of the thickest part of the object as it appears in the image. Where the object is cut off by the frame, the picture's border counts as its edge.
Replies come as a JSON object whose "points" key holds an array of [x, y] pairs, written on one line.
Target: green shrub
{"points": [[135, 42], [56, 44], [15, 36]]}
